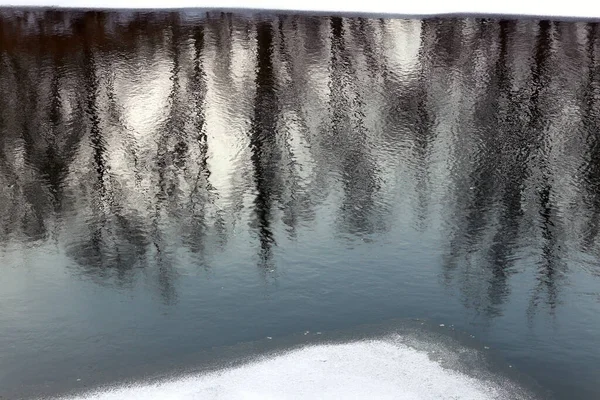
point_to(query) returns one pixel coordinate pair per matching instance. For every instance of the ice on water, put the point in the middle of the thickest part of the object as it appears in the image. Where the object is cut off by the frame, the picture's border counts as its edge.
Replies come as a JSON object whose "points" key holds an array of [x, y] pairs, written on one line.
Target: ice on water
{"points": [[369, 369]]}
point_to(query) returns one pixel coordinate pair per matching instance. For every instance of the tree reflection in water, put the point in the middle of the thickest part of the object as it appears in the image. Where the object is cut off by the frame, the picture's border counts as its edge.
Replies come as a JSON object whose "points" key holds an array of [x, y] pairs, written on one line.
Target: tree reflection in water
{"points": [[142, 141]]}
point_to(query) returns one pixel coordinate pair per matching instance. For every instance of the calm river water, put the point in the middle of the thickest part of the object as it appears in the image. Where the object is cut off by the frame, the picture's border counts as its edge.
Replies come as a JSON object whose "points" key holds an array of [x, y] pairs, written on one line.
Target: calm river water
{"points": [[176, 183]]}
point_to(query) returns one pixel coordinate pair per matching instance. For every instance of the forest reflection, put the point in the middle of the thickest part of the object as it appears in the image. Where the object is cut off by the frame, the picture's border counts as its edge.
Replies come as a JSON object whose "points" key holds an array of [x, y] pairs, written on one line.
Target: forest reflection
{"points": [[142, 141]]}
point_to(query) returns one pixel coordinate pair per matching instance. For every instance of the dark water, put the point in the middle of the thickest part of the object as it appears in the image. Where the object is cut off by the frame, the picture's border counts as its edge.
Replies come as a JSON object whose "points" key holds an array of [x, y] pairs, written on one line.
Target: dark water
{"points": [[177, 182]]}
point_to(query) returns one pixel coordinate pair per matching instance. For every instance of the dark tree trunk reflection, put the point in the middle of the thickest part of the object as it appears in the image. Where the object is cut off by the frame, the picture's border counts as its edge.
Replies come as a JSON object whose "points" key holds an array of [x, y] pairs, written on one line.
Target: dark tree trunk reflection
{"points": [[263, 141]]}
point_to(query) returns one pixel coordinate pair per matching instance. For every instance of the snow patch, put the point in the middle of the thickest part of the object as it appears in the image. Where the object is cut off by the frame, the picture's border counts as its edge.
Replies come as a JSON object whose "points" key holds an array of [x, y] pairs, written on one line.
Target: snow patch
{"points": [[370, 369]]}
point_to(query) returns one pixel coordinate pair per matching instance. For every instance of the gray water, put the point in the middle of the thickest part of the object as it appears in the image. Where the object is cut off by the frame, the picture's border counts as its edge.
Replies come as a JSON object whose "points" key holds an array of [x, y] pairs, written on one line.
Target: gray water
{"points": [[173, 183]]}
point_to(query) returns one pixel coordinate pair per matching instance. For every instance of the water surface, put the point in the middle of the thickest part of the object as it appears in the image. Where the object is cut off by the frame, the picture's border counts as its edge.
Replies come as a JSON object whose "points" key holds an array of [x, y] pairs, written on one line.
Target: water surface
{"points": [[175, 182]]}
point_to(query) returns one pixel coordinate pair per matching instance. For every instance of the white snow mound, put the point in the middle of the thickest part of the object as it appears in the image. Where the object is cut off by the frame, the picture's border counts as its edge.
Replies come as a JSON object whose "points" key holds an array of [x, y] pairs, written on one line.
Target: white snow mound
{"points": [[374, 369]]}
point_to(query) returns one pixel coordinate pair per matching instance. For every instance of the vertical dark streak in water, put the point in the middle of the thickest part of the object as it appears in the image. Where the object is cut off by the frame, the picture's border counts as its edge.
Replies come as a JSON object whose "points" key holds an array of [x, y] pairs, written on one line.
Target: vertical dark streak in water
{"points": [[292, 202], [590, 121], [176, 118], [550, 268], [203, 194], [449, 39], [364, 37], [340, 107], [91, 107], [98, 225], [55, 167], [201, 185], [476, 195], [199, 94], [501, 251], [281, 33], [422, 127], [169, 161], [33, 223], [263, 141], [7, 170], [349, 139]]}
